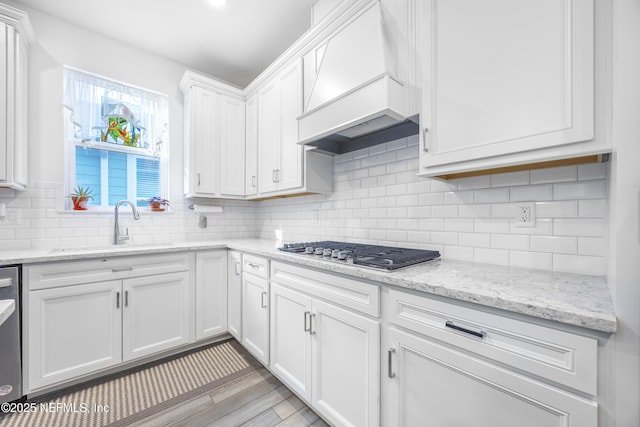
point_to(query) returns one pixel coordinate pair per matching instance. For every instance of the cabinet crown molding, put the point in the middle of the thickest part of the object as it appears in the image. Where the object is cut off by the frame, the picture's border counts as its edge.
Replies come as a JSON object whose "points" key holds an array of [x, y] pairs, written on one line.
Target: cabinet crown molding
{"points": [[20, 21]]}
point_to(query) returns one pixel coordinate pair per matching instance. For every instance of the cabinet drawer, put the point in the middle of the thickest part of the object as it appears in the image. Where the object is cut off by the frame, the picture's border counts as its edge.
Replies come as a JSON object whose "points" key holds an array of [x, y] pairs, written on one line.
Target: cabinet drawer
{"points": [[353, 294], [551, 354], [51, 275], [255, 265]]}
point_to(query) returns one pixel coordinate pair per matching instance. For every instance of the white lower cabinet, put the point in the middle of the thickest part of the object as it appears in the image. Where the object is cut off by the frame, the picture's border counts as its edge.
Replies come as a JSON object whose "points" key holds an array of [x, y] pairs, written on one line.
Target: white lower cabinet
{"points": [[211, 293], [234, 294], [327, 354], [77, 323], [155, 316], [255, 307], [454, 366], [73, 331]]}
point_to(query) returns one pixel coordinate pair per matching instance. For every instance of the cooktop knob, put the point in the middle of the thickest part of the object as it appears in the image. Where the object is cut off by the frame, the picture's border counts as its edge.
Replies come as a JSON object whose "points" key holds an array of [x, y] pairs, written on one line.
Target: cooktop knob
{"points": [[318, 251], [308, 250], [327, 252], [335, 253], [343, 254]]}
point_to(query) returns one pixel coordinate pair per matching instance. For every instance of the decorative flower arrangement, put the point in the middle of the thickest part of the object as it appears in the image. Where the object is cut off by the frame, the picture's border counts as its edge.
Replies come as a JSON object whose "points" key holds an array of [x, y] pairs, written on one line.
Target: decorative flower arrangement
{"points": [[80, 197], [157, 203]]}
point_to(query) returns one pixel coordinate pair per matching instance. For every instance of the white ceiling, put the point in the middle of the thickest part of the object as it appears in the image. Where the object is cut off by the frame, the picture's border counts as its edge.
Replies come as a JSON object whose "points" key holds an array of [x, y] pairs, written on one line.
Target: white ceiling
{"points": [[234, 43]]}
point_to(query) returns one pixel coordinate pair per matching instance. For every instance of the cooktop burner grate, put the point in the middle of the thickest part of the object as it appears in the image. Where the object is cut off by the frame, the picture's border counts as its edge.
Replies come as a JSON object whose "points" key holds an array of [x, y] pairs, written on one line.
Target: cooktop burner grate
{"points": [[379, 257]]}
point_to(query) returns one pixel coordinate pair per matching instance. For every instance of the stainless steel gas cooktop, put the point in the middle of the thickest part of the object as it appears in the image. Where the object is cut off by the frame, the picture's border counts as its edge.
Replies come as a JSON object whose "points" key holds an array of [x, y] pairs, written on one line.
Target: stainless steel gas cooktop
{"points": [[380, 257]]}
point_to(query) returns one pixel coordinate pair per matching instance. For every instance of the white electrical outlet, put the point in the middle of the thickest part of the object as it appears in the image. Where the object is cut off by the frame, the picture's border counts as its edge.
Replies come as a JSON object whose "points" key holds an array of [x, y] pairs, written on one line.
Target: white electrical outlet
{"points": [[525, 215]]}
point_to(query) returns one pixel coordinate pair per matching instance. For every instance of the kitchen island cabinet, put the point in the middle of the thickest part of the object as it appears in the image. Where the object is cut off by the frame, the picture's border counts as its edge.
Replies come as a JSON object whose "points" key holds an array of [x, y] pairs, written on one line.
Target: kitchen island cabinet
{"points": [[85, 316], [522, 93]]}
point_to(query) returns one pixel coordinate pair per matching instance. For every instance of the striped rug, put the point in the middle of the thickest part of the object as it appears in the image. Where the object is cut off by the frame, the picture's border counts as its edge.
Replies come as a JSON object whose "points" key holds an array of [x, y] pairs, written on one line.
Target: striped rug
{"points": [[136, 394]]}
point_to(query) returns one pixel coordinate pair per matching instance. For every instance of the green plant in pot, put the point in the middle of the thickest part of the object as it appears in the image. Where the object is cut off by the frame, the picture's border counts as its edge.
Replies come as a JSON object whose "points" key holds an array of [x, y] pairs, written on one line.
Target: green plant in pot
{"points": [[80, 197], [158, 204]]}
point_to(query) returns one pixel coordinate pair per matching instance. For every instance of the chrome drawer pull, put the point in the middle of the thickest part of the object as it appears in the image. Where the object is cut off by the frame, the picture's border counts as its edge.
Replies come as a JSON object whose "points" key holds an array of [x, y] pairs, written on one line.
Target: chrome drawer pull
{"points": [[390, 372], [253, 265], [312, 331], [121, 269], [450, 324], [117, 299], [262, 303], [237, 268]]}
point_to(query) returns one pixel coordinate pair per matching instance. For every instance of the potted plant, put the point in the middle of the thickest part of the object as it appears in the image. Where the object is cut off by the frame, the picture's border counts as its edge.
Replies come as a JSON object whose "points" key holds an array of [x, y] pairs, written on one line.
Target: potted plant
{"points": [[157, 203], [80, 197]]}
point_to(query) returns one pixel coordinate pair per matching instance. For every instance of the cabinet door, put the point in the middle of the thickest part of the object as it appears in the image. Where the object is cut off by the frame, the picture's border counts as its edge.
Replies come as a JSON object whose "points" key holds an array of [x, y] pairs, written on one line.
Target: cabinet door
{"points": [[255, 316], [204, 141], [289, 171], [268, 136], [73, 331], [346, 366], [429, 383], [290, 339], [155, 314], [211, 293], [4, 87], [234, 294], [251, 146], [232, 146], [504, 77]]}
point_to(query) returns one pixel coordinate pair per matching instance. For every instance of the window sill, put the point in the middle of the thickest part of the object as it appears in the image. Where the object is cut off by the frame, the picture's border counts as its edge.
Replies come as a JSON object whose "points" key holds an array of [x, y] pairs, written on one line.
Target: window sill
{"points": [[110, 211]]}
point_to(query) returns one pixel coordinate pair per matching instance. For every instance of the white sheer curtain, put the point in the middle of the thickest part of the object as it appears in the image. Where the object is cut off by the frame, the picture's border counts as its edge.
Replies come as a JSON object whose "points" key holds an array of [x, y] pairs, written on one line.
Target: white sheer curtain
{"points": [[86, 93]]}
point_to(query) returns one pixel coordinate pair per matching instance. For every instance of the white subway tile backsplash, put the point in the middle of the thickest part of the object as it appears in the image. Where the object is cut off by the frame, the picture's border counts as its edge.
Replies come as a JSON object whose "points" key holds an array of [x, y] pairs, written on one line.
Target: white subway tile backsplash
{"points": [[586, 227], [475, 240], [592, 171], [596, 208], [539, 260], [510, 241], [510, 179], [578, 264], [592, 246], [491, 256], [377, 198], [580, 190], [531, 193], [559, 174], [554, 244], [491, 195], [561, 209]]}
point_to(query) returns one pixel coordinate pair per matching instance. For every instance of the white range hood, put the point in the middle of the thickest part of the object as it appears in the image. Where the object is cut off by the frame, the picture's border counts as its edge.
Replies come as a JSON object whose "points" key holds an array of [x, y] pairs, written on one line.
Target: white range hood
{"points": [[354, 95]]}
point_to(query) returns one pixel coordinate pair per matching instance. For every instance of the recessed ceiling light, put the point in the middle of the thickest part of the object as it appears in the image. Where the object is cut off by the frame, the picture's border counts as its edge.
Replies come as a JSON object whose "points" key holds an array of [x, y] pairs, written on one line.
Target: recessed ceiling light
{"points": [[217, 3]]}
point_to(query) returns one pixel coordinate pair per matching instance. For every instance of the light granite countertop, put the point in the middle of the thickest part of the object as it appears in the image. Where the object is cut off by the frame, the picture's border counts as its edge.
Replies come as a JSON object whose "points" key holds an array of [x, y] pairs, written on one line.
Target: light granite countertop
{"points": [[572, 299], [7, 307]]}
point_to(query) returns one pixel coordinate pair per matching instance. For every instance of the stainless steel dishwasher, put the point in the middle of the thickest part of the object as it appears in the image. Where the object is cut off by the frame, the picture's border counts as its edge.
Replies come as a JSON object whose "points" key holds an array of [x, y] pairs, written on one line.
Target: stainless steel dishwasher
{"points": [[10, 360]]}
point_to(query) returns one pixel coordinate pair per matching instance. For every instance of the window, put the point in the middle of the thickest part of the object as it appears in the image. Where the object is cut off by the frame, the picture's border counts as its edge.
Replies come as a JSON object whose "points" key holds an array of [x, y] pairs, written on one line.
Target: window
{"points": [[116, 136]]}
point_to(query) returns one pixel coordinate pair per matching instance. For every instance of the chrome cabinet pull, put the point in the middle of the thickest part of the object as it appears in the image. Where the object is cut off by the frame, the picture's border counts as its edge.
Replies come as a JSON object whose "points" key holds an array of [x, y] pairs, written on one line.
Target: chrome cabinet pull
{"points": [[312, 330], [390, 372], [121, 269], [425, 146], [117, 299], [253, 180], [253, 265], [450, 324], [273, 176], [126, 298], [198, 179], [307, 326], [237, 268], [262, 303]]}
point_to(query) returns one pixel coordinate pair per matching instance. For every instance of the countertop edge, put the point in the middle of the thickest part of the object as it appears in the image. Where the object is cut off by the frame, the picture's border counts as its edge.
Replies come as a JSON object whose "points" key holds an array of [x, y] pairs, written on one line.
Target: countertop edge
{"points": [[428, 281]]}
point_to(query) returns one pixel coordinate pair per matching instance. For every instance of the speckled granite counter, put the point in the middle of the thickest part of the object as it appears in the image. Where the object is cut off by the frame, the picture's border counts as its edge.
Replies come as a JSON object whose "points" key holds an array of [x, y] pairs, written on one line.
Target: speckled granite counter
{"points": [[567, 298], [7, 307]]}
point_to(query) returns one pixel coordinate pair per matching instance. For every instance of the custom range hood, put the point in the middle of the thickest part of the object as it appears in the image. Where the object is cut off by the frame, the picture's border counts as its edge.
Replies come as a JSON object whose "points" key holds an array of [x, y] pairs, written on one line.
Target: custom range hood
{"points": [[356, 95]]}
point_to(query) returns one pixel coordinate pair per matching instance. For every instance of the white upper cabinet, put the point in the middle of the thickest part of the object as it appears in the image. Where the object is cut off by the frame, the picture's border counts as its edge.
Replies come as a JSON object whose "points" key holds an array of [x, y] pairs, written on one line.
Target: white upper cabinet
{"points": [[251, 146], [214, 138], [284, 166], [16, 36], [505, 83]]}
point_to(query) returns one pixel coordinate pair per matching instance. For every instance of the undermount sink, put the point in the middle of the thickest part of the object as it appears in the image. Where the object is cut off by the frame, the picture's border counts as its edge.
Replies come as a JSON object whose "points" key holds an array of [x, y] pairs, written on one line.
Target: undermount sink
{"points": [[99, 248]]}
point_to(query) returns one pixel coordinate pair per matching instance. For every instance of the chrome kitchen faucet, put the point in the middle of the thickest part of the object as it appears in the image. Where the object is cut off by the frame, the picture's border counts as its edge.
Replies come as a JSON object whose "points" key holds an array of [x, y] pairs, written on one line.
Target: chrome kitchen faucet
{"points": [[117, 238]]}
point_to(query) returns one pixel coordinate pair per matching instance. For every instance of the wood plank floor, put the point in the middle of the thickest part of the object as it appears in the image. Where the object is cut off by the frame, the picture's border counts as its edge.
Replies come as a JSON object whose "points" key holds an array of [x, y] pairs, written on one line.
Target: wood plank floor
{"points": [[255, 399]]}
